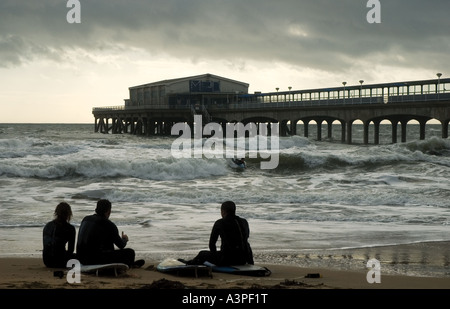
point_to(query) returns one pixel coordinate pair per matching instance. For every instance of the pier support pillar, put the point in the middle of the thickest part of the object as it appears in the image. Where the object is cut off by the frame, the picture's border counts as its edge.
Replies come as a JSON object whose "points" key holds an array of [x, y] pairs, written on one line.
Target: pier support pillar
{"points": [[422, 129], [445, 129], [330, 129], [293, 128], [106, 125], [284, 129], [305, 126], [394, 131], [366, 132], [349, 132], [319, 130], [376, 133], [403, 124]]}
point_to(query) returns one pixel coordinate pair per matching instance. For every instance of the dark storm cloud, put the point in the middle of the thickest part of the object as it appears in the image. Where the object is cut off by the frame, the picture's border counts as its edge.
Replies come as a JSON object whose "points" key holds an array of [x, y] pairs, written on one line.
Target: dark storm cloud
{"points": [[321, 34]]}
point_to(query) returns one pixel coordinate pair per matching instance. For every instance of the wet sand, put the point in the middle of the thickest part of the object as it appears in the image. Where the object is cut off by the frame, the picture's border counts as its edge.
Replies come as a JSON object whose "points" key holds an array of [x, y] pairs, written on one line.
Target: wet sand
{"points": [[411, 266]]}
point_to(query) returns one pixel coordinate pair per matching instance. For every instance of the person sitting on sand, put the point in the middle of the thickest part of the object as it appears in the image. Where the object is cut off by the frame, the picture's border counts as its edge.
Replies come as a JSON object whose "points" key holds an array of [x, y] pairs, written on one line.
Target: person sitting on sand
{"points": [[58, 234], [234, 232], [97, 237]]}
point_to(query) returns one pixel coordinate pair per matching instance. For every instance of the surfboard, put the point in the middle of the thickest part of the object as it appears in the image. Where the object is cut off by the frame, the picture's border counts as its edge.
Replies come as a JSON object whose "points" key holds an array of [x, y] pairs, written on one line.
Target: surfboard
{"points": [[115, 268], [178, 268], [245, 270]]}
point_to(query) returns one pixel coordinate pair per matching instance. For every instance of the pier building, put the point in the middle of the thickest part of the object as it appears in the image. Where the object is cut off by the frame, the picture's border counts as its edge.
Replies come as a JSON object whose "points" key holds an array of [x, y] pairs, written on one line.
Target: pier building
{"points": [[154, 108]]}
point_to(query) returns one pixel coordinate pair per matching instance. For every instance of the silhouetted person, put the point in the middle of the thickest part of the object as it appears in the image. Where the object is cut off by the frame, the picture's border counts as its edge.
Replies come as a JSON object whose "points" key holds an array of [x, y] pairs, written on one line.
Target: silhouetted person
{"points": [[97, 237], [234, 232], [240, 162], [59, 238]]}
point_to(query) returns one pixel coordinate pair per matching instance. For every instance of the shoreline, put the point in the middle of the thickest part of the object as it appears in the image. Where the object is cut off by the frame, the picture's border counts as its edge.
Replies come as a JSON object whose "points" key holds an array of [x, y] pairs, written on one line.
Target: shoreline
{"points": [[417, 259], [410, 266]]}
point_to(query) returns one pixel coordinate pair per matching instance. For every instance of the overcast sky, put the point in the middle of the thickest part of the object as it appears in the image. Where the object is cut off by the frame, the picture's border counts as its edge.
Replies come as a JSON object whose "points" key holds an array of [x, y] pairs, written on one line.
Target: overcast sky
{"points": [[54, 71]]}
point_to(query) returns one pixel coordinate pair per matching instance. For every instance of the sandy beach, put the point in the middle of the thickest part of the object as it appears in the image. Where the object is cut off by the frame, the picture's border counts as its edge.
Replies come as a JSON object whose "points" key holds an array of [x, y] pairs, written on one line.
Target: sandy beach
{"points": [[30, 272], [25, 278]]}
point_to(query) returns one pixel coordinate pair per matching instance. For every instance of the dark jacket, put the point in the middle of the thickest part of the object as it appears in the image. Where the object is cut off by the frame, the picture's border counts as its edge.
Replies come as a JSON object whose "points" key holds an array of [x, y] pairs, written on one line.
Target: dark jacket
{"points": [[234, 233], [56, 235], [97, 235]]}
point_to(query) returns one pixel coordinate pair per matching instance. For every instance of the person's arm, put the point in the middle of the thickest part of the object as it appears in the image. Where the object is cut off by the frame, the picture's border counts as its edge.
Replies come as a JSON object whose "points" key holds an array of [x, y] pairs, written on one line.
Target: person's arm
{"points": [[246, 229], [214, 237], [71, 243], [119, 241], [249, 257], [47, 236]]}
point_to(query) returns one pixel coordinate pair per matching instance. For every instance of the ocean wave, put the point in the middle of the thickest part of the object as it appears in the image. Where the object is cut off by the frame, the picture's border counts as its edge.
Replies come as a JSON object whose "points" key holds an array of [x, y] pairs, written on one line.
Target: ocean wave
{"points": [[433, 146], [306, 161], [20, 148], [433, 150], [40, 158], [20, 225], [159, 169]]}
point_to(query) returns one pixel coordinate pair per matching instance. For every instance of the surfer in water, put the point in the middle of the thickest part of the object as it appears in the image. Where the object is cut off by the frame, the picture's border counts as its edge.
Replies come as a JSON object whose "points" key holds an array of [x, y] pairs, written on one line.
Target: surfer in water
{"points": [[234, 232], [240, 162]]}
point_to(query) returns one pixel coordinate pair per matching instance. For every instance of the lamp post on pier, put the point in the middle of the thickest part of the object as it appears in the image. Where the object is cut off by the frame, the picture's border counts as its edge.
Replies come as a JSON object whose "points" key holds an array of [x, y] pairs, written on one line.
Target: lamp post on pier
{"points": [[439, 83], [289, 94], [360, 90], [344, 83]]}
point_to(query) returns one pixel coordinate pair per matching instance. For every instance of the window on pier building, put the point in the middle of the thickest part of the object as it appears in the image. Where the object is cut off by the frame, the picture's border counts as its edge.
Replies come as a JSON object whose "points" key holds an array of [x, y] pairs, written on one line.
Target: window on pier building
{"points": [[133, 97]]}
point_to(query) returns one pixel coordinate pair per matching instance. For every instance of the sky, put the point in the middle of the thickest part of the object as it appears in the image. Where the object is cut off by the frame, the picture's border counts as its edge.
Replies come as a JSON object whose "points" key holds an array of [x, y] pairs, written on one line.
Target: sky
{"points": [[53, 71]]}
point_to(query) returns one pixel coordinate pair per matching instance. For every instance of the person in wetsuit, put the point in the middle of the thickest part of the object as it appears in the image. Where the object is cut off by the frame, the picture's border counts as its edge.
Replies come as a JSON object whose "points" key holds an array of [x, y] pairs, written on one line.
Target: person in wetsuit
{"points": [[59, 238], [240, 162], [97, 237], [234, 232]]}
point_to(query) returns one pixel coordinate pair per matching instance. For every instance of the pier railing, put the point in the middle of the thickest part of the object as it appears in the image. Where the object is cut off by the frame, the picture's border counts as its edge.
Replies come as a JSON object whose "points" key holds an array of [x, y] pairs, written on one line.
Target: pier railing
{"points": [[289, 104], [140, 107]]}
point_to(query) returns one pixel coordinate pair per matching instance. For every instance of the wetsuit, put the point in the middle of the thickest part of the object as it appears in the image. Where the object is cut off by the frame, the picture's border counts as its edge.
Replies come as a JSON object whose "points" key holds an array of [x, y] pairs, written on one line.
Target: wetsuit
{"points": [[96, 239], [240, 163], [55, 238], [234, 249]]}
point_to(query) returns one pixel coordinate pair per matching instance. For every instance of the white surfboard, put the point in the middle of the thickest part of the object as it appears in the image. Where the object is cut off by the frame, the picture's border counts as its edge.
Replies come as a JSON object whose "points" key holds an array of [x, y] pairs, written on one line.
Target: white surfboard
{"points": [[245, 270], [175, 267], [116, 267]]}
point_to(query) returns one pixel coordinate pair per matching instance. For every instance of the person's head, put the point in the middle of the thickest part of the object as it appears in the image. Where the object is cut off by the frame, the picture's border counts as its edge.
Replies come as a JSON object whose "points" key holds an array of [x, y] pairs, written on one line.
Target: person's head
{"points": [[63, 212], [228, 208], [103, 208]]}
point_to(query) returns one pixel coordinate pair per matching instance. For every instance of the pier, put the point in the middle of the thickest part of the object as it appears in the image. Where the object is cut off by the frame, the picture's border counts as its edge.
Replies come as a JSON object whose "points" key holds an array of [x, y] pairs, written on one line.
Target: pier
{"points": [[154, 108]]}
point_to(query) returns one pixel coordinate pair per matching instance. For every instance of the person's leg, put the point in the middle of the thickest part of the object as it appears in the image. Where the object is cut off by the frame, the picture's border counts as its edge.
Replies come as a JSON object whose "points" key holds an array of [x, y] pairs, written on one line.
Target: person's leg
{"points": [[203, 256], [125, 256]]}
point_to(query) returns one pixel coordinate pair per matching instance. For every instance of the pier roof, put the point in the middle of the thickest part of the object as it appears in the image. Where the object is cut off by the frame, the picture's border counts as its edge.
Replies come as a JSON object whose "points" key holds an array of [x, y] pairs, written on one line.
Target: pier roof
{"points": [[177, 80]]}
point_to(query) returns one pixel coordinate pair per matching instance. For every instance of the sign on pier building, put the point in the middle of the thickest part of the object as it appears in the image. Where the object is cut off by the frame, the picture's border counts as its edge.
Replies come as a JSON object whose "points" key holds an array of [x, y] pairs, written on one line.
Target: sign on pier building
{"points": [[204, 89]]}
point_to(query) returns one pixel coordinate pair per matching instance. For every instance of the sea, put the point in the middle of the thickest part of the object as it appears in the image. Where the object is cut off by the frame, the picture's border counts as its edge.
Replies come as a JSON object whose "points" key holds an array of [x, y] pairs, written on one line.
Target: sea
{"points": [[323, 199]]}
